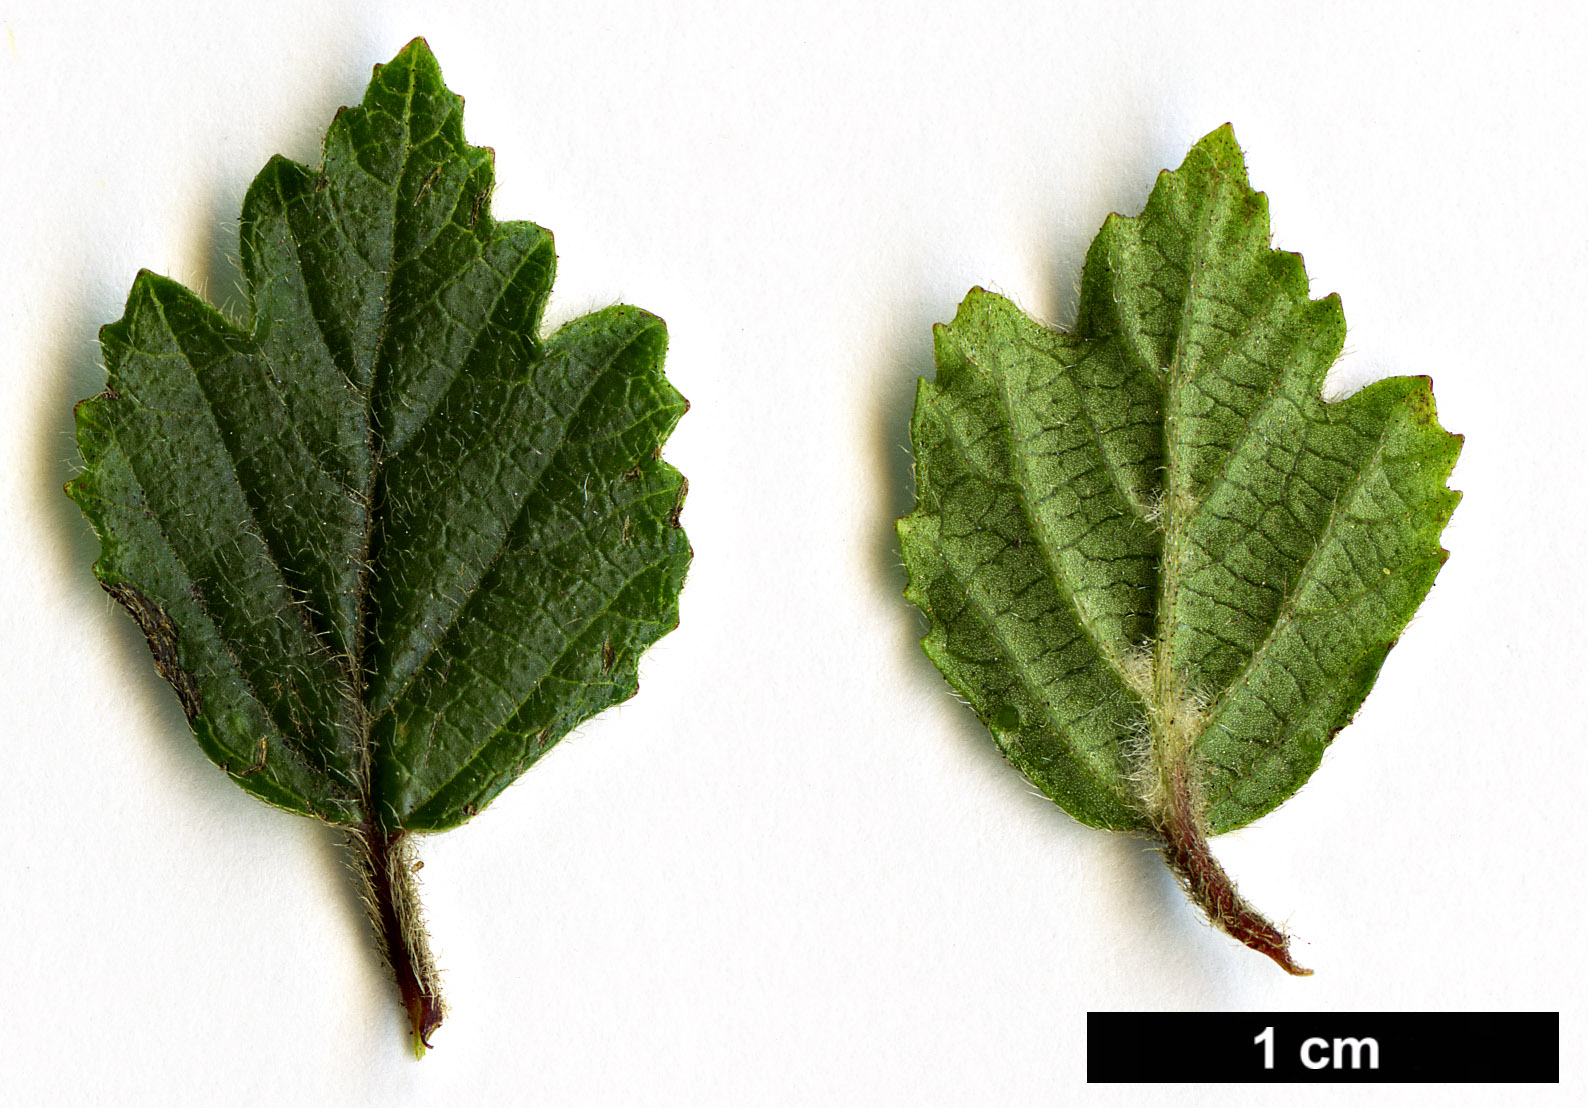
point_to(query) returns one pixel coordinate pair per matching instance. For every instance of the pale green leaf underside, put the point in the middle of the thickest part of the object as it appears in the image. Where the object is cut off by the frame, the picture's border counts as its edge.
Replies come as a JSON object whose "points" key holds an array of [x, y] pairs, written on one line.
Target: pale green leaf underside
{"points": [[1167, 482], [388, 544]]}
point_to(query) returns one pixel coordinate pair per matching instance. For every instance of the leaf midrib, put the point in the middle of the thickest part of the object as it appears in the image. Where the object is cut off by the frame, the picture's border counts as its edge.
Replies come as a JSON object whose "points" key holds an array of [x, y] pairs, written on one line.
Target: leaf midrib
{"points": [[1166, 690], [396, 450], [357, 675]]}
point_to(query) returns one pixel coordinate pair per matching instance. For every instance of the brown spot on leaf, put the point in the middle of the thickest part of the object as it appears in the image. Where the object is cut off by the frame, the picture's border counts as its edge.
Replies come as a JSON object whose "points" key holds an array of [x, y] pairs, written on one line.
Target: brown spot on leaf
{"points": [[161, 633], [259, 760], [608, 656], [427, 183], [107, 393], [678, 505]]}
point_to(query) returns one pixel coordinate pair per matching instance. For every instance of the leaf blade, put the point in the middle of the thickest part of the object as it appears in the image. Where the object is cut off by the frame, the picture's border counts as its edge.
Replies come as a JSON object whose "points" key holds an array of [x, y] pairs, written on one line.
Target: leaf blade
{"points": [[1342, 609], [192, 546], [545, 551], [387, 543], [1218, 573], [1028, 607]]}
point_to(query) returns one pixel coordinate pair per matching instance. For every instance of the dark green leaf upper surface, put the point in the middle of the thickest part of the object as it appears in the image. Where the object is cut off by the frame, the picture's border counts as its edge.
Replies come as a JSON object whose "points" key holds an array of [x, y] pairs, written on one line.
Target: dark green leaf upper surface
{"points": [[1155, 526], [387, 542]]}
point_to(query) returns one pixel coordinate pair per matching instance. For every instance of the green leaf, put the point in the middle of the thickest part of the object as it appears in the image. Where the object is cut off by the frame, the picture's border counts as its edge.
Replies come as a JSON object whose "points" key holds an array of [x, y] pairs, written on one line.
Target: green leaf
{"points": [[1159, 566], [388, 544]]}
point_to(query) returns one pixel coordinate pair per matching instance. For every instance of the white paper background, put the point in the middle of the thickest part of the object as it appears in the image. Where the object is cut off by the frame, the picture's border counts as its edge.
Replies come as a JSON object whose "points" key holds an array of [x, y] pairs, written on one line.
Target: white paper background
{"points": [[793, 870]]}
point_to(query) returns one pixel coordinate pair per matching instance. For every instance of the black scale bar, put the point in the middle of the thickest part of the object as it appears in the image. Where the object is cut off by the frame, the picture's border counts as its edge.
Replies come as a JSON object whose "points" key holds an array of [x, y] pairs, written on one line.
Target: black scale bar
{"points": [[1322, 1047]]}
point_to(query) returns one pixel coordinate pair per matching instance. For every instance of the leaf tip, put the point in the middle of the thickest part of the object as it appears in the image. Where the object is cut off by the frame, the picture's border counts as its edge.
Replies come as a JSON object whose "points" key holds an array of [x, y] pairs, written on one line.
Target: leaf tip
{"points": [[416, 53], [414, 63], [1221, 144], [1217, 153]]}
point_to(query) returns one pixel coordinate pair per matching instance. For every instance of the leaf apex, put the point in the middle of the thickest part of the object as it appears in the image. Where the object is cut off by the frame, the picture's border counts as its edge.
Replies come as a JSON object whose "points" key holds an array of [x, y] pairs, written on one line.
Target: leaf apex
{"points": [[419, 47], [416, 53], [1223, 133], [1221, 147]]}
